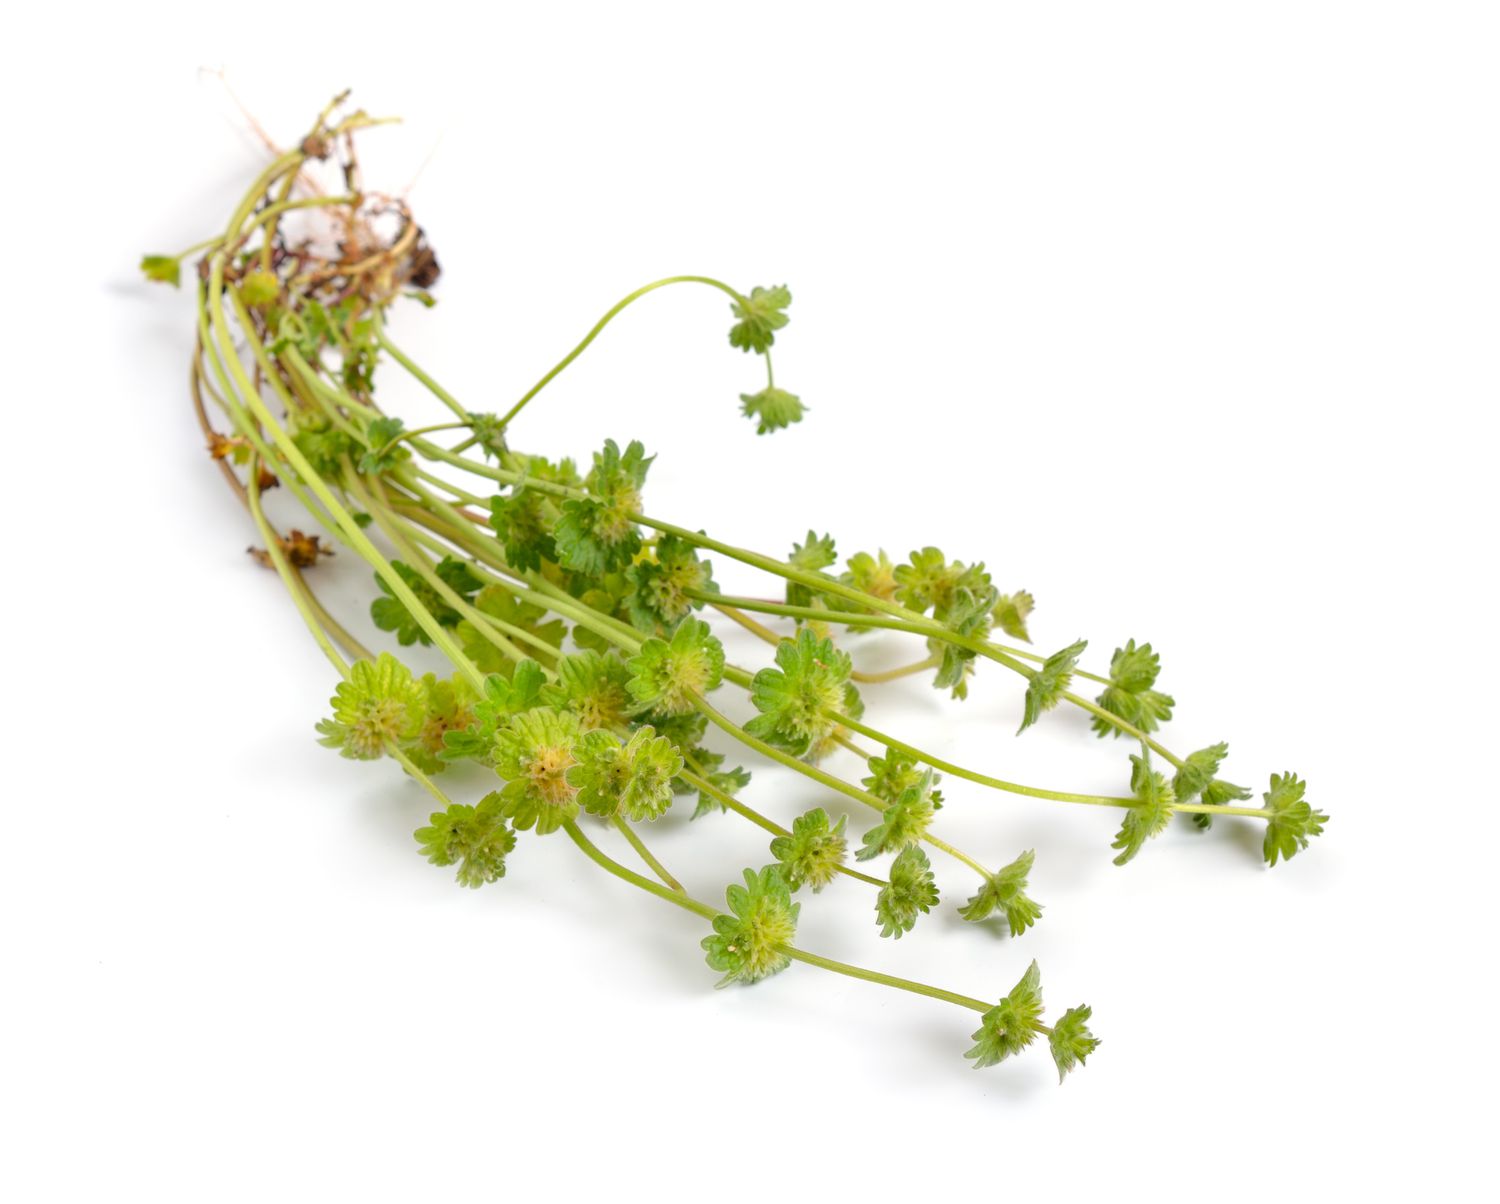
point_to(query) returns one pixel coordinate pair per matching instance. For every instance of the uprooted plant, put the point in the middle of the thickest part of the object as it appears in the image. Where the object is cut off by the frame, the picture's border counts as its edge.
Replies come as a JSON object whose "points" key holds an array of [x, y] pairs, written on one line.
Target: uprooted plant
{"points": [[575, 623]]}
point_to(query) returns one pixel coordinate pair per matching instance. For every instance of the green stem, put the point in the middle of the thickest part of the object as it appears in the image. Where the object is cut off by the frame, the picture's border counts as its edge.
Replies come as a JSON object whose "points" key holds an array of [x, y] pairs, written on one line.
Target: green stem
{"points": [[423, 567], [696, 778], [958, 771], [284, 442], [437, 390], [614, 311], [646, 854], [385, 448], [885, 675], [284, 571], [599, 858], [823, 778], [334, 628], [886, 980], [426, 782], [921, 626]]}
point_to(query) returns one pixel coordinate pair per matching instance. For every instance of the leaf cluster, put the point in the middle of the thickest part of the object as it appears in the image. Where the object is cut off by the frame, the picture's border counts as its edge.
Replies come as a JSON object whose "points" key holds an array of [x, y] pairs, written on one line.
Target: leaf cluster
{"points": [[391, 614], [747, 943], [1005, 891], [811, 854], [909, 892], [1049, 682], [1132, 674], [800, 701]]}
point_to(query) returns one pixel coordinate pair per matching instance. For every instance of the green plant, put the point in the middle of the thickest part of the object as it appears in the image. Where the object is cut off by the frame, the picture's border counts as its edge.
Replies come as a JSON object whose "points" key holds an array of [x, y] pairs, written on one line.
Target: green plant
{"points": [[576, 624]]}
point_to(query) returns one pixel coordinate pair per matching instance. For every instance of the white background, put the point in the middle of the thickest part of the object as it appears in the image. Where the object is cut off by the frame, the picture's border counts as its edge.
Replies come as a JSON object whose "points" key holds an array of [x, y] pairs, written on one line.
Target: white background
{"points": [[1181, 316]]}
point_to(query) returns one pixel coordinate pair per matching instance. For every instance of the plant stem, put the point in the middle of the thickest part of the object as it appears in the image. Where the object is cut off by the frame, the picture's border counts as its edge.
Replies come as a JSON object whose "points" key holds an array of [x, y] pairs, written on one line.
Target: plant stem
{"points": [[437, 390], [601, 859], [340, 515], [646, 854], [887, 980], [605, 321], [823, 778], [284, 571], [696, 778]]}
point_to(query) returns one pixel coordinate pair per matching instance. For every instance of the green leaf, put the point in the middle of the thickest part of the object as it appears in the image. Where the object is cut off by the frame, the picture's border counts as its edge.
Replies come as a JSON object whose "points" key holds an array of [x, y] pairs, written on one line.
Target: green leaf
{"points": [[607, 596], [1006, 890], [522, 521], [871, 574], [1049, 682], [910, 892], [618, 474], [1293, 822], [632, 779], [814, 850], [814, 554], [1197, 777], [799, 701], [1221, 793], [669, 677], [966, 613], [499, 603], [897, 772], [1071, 1040], [773, 409], [1011, 612], [164, 269], [474, 837], [730, 781], [759, 316], [659, 585], [499, 699], [925, 579], [1198, 771], [534, 753], [595, 535], [594, 687], [594, 538], [1012, 1024], [902, 823], [746, 944], [449, 708], [391, 614], [325, 447], [381, 453], [1152, 811], [377, 707], [489, 435], [1129, 695]]}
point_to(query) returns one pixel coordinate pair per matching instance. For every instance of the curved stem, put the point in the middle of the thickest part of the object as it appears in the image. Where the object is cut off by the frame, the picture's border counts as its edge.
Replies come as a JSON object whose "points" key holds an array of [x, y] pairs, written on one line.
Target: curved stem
{"points": [[423, 780], [886, 980], [1060, 796], [614, 311], [698, 780], [433, 387], [418, 433], [284, 570], [885, 675], [759, 630], [605, 862], [823, 778], [646, 854], [314, 482], [420, 565], [601, 859]]}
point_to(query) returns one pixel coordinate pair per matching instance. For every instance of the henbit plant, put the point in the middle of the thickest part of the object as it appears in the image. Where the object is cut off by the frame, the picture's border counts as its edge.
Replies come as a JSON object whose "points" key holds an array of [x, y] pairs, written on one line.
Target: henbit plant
{"points": [[574, 621]]}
